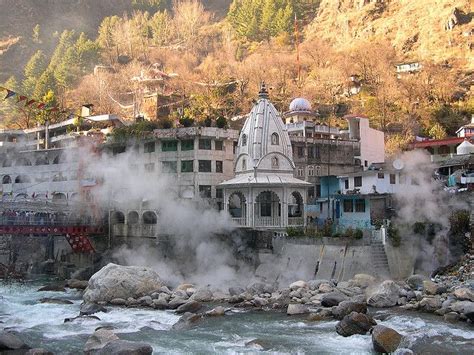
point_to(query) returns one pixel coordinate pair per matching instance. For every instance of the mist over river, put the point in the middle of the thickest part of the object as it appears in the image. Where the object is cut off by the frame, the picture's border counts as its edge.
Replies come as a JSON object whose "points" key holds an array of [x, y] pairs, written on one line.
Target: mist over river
{"points": [[42, 325]]}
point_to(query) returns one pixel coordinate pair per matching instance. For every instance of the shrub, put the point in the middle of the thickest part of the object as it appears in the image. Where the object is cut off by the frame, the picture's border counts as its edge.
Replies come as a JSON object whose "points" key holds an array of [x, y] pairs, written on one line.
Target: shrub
{"points": [[358, 234], [221, 122], [186, 121], [394, 235], [349, 232], [295, 231], [419, 228]]}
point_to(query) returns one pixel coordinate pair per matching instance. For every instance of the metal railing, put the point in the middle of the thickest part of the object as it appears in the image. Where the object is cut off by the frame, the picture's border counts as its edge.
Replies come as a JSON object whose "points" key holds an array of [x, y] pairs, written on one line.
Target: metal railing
{"points": [[242, 221], [45, 221], [295, 221], [268, 222]]}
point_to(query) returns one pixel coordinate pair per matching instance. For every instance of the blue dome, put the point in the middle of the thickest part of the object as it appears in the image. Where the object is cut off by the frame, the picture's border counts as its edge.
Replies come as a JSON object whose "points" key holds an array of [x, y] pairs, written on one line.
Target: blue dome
{"points": [[300, 104]]}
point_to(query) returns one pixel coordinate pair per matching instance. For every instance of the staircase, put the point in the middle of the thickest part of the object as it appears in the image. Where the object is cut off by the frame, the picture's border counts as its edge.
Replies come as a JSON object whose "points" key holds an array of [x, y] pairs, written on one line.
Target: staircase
{"points": [[379, 258]]}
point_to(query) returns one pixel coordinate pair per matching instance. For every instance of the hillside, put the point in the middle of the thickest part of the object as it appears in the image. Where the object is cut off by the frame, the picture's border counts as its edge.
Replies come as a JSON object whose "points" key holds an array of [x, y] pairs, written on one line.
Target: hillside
{"points": [[419, 30]]}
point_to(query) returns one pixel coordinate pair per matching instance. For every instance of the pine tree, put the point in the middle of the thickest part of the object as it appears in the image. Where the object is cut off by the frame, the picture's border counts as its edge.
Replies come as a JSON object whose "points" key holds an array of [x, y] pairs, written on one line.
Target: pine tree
{"points": [[36, 34], [67, 71], [46, 82], [65, 41], [267, 28], [33, 70], [49, 98], [87, 52]]}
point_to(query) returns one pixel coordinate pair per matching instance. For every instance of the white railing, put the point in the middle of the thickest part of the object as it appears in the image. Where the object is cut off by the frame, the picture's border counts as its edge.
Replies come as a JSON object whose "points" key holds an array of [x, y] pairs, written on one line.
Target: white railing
{"points": [[267, 222], [240, 221], [295, 221]]}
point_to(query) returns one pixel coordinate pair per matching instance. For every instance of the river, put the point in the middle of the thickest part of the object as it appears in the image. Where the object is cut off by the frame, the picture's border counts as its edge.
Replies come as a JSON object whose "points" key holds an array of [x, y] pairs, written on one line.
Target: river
{"points": [[42, 325]]}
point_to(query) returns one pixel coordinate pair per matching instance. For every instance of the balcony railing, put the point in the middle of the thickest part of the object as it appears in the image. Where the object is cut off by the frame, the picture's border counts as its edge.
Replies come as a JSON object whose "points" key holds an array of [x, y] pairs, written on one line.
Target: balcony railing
{"points": [[267, 222], [240, 221], [295, 221]]}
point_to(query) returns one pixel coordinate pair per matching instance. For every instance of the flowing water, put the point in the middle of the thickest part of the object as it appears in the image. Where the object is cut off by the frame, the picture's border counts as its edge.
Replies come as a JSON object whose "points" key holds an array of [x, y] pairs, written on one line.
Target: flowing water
{"points": [[42, 325]]}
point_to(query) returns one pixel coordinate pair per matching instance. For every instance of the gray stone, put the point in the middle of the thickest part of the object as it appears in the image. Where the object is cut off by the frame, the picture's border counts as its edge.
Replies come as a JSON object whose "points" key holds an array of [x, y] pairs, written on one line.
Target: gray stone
{"points": [[90, 308], [54, 301], [186, 321], [432, 288], [116, 281], [236, 299], [464, 307], [451, 317], [125, 347], [416, 282], [118, 302], [180, 294], [332, 299], [322, 314], [464, 294], [362, 280], [235, 291], [347, 307], [216, 312], [260, 287], [164, 289], [38, 351], [77, 284], [176, 302], [431, 304], [324, 288], [131, 302], [403, 351], [190, 306], [295, 308], [202, 295], [314, 284], [298, 284], [55, 287], [385, 340], [99, 339], [385, 295], [355, 323], [145, 301], [160, 303], [11, 341], [184, 287], [260, 302]]}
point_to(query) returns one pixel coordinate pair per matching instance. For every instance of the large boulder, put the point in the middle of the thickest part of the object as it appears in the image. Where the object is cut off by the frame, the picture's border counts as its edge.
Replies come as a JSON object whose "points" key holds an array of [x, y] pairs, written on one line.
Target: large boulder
{"points": [[98, 340], [347, 307], [235, 291], [385, 340], [125, 347], [190, 306], [355, 323], [116, 281], [11, 341], [314, 284], [297, 308], [362, 280], [432, 288], [90, 308], [258, 288], [385, 295], [416, 282], [186, 321], [464, 294], [464, 307], [202, 295], [431, 304], [77, 284], [332, 299], [298, 284]]}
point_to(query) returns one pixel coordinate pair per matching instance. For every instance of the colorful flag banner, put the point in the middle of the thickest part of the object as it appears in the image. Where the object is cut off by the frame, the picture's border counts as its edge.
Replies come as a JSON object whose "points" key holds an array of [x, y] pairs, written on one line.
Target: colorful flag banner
{"points": [[28, 103], [9, 94]]}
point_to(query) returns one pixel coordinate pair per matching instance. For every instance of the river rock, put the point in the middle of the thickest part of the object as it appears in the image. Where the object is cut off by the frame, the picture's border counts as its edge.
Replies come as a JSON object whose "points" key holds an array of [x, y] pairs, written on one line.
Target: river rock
{"points": [[260, 302], [145, 301], [451, 317], [431, 304], [190, 306], [235, 291], [56, 287], [202, 295], [118, 302], [11, 341], [464, 307], [385, 295], [77, 284], [257, 344], [332, 299], [362, 280], [176, 302], [314, 284], [416, 282], [160, 303], [91, 308], [99, 339], [431, 288], [38, 351], [355, 323], [164, 289], [464, 294], [54, 301], [81, 318], [184, 287], [325, 288], [347, 307], [403, 351], [298, 284], [296, 308], [125, 347], [186, 321], [384, 339], [322, 314], [216, 312], [259, 287], [117, 281]]}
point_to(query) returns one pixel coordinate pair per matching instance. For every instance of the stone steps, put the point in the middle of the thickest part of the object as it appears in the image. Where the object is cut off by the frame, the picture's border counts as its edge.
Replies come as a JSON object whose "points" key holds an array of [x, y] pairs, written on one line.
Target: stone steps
{"points": [[379, 257]]}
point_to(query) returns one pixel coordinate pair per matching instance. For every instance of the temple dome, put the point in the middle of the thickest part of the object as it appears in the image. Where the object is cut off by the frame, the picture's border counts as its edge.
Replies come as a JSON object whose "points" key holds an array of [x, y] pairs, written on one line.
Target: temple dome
{"points": [[264, 143], [300, 104]]}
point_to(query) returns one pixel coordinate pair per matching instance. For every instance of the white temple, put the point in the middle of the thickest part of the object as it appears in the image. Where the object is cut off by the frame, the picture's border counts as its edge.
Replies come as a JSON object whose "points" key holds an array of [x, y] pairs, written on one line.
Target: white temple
{"points": [[264, 194]]}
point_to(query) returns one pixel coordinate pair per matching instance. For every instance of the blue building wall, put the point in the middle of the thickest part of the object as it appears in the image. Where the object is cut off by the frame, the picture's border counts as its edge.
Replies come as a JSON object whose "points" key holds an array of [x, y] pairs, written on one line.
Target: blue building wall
{"points": [[333, 183], [353, 219]]}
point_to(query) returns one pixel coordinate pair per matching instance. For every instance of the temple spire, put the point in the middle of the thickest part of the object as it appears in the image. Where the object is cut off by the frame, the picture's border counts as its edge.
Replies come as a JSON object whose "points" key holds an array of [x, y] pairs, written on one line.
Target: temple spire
{"points": [[263, 93]]}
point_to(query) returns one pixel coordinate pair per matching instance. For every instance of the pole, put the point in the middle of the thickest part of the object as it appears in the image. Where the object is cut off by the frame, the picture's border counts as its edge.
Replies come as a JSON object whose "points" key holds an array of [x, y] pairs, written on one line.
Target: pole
{"points": [[329, 164], [298, 68]]}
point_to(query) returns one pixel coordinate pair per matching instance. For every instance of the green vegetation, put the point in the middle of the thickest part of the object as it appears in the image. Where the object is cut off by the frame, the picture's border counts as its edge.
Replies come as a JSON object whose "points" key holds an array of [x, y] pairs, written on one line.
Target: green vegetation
{"points": [[393, 235], [139, 129]]}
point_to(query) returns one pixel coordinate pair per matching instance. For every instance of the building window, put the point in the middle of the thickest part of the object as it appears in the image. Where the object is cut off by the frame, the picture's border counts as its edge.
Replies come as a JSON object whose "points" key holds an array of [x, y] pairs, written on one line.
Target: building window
{"points": [[380, 175], [310, 152], [205, 144], [310, 171], [219, 145], [300, 172], [205, 166], [150, 167], [275, 139], [169, 146], [357, 181], [318, 171], [149, 147], [219, 193], [360, 205], [275, 163], [187, 144], [219, 166], [317, 152], [244, 164], [348, 206], [187, 166], [205, 191], [392, 179], [169, 166], [244, 140], [300, 152], [366, 163], [318, 190], [346, 184]]}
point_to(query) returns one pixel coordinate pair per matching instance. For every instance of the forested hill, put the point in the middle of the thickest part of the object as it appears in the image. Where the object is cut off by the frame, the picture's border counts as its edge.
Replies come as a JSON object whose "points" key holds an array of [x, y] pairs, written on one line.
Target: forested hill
{"points": [[202, 60]]}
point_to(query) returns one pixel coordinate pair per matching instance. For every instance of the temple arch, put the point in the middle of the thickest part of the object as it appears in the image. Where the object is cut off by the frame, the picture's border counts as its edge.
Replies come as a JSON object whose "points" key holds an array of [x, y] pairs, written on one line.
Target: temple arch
{"points": [[149, 217], [133, 217], [117, 217]]}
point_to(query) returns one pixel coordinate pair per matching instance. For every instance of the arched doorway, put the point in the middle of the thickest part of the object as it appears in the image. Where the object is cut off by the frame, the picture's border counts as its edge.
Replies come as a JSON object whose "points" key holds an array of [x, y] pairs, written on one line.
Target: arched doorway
{"points": [[238, 208], [133, 217], [117, 217], [6, 179], [295, 209], [59, 198], [268, 209], [149, 217]]}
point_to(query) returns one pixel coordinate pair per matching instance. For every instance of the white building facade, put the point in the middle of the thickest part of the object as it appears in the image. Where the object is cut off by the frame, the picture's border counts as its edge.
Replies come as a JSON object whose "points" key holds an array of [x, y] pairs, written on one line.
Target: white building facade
{"points": [[264, 194]]}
